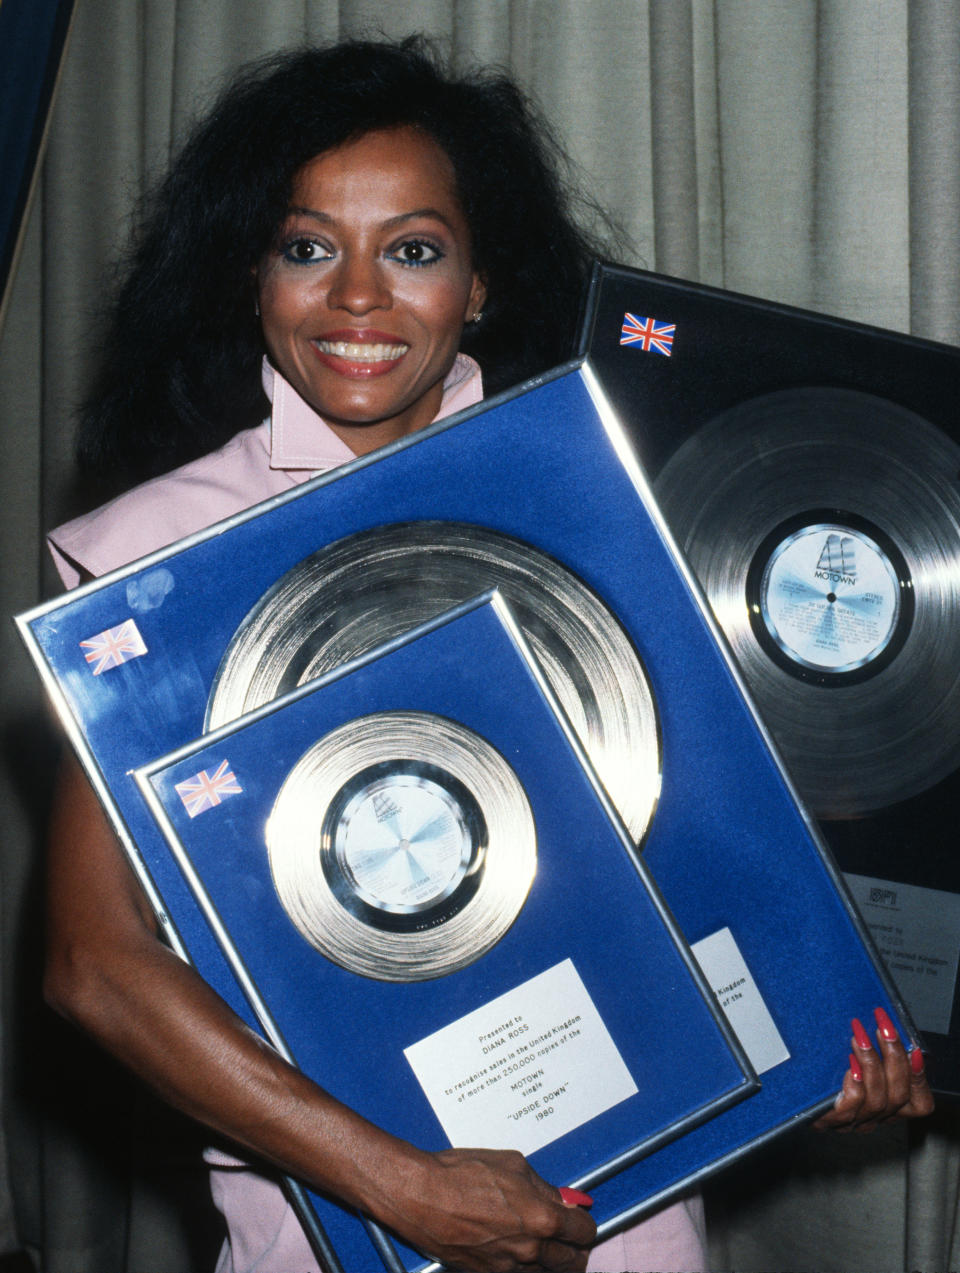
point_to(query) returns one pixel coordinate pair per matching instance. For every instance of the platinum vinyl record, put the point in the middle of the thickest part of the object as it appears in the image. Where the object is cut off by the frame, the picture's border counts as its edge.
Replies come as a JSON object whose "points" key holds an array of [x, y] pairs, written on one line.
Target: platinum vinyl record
{"points": [[402, 846], [824, 526], [377, 585]]}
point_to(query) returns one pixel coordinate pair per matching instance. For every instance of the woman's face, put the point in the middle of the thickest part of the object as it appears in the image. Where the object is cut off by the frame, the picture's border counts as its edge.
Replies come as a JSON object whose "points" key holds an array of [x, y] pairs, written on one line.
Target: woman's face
{"points": [[364, 296]]}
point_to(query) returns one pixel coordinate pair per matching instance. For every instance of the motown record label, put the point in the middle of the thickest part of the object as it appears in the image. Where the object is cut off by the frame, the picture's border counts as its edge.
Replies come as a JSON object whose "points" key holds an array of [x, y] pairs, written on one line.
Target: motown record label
{"points": [[830, 598], [374, 586], [402, 846], [824, 525], [399, 838]]}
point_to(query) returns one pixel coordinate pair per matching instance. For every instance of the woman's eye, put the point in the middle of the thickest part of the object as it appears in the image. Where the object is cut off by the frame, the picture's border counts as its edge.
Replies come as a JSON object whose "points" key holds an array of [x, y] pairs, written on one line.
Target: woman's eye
{"points": [[416, 252], [304, 251]]}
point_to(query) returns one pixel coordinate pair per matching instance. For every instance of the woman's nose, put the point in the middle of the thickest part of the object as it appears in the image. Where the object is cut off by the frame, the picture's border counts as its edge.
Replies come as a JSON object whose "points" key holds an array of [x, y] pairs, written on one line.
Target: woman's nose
{"points": [[359, 285]]}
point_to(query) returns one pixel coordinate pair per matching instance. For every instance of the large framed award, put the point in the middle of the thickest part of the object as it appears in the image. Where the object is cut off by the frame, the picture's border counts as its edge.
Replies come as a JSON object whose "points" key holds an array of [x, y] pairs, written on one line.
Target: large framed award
{"points": [[809, 469], [539, 496]]}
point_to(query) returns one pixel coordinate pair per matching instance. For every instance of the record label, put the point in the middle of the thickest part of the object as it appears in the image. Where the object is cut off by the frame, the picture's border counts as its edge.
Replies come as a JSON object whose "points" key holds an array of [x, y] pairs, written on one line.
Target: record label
{"points": [[403, 842], [830, 598]]}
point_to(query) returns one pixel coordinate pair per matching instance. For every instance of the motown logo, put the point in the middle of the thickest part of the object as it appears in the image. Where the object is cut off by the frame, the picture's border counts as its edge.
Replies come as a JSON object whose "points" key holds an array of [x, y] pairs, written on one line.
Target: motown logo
{"points": [[384, 806], [837, 562]]}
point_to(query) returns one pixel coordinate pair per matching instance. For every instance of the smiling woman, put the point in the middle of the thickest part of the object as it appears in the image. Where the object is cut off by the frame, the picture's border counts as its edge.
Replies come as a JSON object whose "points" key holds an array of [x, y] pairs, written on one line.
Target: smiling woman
{"points": [[307, 286], [242, 208], [303, 290], [364, 296]]}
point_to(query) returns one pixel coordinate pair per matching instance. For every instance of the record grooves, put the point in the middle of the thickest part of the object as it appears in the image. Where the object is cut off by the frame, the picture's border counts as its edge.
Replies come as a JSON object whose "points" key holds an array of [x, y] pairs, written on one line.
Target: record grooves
{"points": [[375, 586], [824, 526]]}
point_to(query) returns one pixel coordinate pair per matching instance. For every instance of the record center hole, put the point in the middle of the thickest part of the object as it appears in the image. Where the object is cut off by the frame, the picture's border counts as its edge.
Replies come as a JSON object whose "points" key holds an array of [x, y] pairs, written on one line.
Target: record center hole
{"points": [[831, 596], [404, 845]]}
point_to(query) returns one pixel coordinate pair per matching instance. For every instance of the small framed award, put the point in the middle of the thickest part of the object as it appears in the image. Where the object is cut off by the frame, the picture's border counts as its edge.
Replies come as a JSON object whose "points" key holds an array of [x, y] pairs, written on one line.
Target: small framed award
{"points": [[411, 867]]}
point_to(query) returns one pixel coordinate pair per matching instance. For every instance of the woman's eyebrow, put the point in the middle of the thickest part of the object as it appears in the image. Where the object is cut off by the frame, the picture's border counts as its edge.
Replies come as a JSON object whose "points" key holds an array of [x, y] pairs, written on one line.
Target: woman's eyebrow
{"points": [[299, 211], [324, 217], [434, 213]]}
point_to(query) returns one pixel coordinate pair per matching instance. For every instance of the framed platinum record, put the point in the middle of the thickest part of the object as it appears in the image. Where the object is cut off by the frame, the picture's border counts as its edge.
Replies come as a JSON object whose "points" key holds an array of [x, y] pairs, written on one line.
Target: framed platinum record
{"points": [[808, 468], [412, 859]]}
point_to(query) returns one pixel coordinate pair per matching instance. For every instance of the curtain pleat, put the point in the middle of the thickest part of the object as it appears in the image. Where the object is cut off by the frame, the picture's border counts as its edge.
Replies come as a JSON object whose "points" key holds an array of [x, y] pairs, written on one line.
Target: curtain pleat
{"points": [[608, 130], [934, 168], [673, 177], [802, 150], [766, 73], [861, 238], [932, 1195], [21, 512]]}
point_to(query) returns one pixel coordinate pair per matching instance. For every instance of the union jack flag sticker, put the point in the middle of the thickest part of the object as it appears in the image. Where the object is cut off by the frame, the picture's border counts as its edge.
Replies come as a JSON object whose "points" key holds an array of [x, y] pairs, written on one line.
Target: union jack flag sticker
{"points": [[649, 334], [204, 790], [113, 647]]}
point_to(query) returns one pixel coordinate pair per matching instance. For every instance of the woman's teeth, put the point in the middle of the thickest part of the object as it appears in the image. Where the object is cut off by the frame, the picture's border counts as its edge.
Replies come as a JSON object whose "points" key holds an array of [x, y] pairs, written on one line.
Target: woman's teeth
{"points": [[361, 353]]}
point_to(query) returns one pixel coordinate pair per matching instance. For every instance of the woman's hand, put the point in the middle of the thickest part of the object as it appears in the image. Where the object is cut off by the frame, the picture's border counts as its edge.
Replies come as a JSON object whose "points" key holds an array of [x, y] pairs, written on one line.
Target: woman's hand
{"points": [[487, 1210], [880, 1084]]}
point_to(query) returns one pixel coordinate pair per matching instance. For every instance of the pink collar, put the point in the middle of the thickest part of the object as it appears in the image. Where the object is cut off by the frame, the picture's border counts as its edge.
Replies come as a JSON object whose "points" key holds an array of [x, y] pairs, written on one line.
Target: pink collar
{"points": [[299, 439]]}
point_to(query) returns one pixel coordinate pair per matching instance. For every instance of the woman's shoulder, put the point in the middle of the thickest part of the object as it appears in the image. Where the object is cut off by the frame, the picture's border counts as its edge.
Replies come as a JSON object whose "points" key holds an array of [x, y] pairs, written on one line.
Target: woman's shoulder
{"points": [[167, 508]]}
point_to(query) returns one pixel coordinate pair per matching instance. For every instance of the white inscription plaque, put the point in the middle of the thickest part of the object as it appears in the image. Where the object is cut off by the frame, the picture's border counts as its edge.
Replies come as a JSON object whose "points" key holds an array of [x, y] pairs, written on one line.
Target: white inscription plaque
{"points": [[917, 931], [524, 1069], [737, 994]]}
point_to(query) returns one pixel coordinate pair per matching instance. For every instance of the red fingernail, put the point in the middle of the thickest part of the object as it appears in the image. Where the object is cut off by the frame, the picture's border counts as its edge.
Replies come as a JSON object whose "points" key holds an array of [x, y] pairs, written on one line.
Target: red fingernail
{"points": [[855, 1071], [574, 1198], [916, 1061], [887, 1029], [860, 1036]]}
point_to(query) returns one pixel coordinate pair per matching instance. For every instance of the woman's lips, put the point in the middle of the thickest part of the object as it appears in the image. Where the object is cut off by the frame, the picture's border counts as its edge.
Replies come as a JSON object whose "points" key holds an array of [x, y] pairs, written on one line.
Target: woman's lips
{"points": [[366, 354]]}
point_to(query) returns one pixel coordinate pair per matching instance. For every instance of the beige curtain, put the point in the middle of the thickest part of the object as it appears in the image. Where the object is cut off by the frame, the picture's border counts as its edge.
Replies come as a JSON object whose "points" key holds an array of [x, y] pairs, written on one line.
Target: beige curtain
{"points": [[793, 149]]}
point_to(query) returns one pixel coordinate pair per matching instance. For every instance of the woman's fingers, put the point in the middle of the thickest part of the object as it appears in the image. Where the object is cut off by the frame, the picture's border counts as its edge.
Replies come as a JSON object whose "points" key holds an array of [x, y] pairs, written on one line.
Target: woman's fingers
{"points": [[907, 1092], [920, 1103], [487, 1210], [896, 1065], [882, 1081]]}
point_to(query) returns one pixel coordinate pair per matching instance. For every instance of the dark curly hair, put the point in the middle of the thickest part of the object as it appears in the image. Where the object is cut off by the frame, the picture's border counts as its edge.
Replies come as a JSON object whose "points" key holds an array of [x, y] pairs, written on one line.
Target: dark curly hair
{"points": [[180, 372]]}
